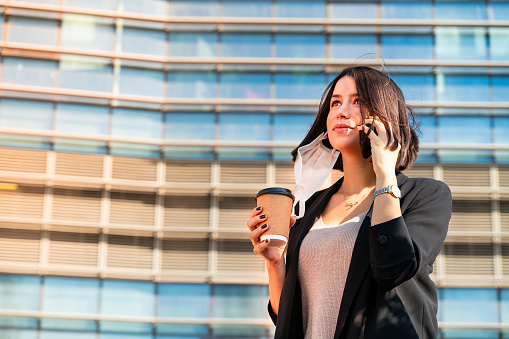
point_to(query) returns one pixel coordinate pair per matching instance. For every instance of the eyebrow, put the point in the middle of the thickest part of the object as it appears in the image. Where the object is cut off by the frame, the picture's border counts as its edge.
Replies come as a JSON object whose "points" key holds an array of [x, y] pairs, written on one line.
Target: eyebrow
{"points": [[339, 96]]}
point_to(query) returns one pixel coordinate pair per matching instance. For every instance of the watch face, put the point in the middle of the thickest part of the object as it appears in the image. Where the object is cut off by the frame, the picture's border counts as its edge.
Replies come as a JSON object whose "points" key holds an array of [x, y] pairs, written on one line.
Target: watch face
{"points": [[396, 191]]}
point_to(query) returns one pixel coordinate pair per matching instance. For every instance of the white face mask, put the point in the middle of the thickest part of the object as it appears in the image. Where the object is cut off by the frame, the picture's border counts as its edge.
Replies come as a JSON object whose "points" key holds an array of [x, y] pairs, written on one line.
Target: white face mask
{"points": [[313, 164]]}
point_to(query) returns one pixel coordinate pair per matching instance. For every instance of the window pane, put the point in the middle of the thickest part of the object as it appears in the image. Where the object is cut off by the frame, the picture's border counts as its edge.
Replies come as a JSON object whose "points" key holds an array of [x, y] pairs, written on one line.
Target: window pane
{"points": [[47, 334], [144, 41], [245, 45], [184, 126], [158, 7], [300, 9], [194, 8], [183, 300], [406, 10], [427, 127], [469, 305], [352, 10], [29, 115], [300, 46], [454, 129], [253, 8], [85, 74], [352, 46], [81, 31], [81, 119], [32, 72], [32, 30], [193, 44], [469, 334], [141, 81], [19, 334], [462, 87], [500, 88], [498, 10], [460, 10], [416, 87], [407, 46], [240, 301], [245, 85], [191, 85], [461, 43], [500, 131], [299, 86], [499, 43], [19, 292], [94, 4], [139, 303], [292, 127]]}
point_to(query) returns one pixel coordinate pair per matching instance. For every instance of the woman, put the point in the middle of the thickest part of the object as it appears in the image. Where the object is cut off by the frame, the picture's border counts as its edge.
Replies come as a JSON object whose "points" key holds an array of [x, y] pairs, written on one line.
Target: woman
{"points": [[358, 261]]}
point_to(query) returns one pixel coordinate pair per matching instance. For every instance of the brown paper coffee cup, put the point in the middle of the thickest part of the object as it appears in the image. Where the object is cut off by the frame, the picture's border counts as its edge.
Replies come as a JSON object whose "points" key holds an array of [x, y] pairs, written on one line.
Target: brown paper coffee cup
{"points": [[277, 205]]}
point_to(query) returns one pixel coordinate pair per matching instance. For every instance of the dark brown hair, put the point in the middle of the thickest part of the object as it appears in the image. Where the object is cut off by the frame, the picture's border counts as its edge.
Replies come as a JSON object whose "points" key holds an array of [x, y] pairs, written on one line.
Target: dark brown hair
{"points": [[379, 96]]}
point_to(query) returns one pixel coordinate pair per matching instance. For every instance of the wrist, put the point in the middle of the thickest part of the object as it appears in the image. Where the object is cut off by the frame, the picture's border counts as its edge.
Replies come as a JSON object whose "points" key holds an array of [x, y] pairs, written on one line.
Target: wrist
{"points": [[385, 179], [276, 265]]}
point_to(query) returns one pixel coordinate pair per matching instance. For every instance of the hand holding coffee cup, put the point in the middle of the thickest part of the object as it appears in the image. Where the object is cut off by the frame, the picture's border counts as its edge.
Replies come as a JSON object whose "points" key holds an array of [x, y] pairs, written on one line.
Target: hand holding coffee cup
{"points": [[277, 205]]}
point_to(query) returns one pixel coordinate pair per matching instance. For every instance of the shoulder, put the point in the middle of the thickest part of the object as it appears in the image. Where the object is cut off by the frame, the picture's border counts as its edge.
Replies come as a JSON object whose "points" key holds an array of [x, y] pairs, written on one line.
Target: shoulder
{"points": [[420, 190]]}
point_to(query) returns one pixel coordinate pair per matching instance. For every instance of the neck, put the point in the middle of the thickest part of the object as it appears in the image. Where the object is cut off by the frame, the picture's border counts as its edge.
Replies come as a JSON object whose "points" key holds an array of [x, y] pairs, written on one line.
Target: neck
{"points": [[358, 173]]}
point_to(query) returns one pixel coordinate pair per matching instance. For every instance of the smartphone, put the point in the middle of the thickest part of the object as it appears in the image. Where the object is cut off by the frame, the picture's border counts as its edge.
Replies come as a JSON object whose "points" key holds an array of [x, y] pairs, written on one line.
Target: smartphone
{"points": [[365, 143]]}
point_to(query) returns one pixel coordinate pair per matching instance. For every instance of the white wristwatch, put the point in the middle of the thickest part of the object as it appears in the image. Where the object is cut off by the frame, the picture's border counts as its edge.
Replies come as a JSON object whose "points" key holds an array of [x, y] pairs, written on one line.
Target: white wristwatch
{"points": [[392, 189]]}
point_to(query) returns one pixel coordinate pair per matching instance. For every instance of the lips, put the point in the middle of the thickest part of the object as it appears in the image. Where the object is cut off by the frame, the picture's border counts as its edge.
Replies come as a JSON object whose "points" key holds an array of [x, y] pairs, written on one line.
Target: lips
{"points": [[342, 128]]}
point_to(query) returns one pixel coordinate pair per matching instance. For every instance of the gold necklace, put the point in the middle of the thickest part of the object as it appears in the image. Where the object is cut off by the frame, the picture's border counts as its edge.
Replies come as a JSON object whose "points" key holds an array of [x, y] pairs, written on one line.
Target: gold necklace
{"points": [[349, 205]]}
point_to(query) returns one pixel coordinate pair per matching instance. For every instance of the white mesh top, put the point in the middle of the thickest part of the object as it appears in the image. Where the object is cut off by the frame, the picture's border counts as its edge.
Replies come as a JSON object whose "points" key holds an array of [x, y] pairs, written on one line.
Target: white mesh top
{"points": [[324, 259]]}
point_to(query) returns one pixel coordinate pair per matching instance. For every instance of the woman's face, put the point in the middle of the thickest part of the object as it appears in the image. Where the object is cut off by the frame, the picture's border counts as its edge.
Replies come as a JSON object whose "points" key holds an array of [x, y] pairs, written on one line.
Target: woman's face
{"points": [[344, 116]]}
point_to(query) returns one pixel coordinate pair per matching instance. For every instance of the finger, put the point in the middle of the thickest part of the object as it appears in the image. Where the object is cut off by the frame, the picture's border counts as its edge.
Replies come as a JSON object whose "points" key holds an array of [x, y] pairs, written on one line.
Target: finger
{"points": [[261, 247], [256, 211], [293, 220], [255, 221], [257, 232]]}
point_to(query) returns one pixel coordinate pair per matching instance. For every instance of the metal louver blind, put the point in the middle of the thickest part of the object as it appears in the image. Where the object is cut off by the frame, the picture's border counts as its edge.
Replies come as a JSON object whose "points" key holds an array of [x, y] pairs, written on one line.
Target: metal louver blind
{"points": [[503, 176], [188, 172], [132, 208], [23, 202], [85, 165], [420, 172], [251, 173], [470, 216], [504, 215], [185, 255], [19, 245], [466, 176], [130, 252], [20, 160], [234, 211], [73, 248], [505, 259], [184, 211], [238, 257], [76, 205], [134, 168], [285, 175], [469, 259]]}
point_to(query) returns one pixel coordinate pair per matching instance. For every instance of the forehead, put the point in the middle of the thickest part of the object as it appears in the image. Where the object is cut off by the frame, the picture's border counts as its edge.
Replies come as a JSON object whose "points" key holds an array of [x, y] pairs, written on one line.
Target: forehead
{"points": [[345, 86]]}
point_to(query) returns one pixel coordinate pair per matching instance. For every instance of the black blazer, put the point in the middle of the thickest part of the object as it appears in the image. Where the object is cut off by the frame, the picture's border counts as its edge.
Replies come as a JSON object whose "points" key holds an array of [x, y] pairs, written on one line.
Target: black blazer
{"points": [[388, 291]]}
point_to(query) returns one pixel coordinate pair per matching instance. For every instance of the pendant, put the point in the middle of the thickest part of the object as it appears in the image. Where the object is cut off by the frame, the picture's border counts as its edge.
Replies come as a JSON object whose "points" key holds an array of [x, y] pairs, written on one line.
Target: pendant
{"points": [[349, 205]]}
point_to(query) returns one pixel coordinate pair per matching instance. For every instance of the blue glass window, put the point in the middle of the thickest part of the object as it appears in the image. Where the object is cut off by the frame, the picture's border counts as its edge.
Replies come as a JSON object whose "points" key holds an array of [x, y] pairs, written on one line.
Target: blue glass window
{"points": [[189, 126], [500, 87], [193, 44], [158, 7], [407, 46], [240, 301], [85, 74], [81, 119], [19, 292], [94, 4], [184, 300], [47, 334], [499, 43], [123, 335], [245, 45], [86, 32], [242, 8], [462, 87], [25, 114], [352, 46], [351, 10], [140, 302], [32, 30], [144, 41], [498, 10], [299, 86], [428, 129], [137, 81], [292, 127], [191, 85], [416, 87], [32, 72], [461, 43], [460, 10], [500, 128], [300, 46], [245, 85], [406, 10], [452, 130], [194, 8], [300, 9]]}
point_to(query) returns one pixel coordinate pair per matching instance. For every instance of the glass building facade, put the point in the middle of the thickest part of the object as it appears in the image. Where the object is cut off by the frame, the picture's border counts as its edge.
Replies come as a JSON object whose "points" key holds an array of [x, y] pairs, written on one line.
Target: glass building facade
{"points": [[134, 135]]}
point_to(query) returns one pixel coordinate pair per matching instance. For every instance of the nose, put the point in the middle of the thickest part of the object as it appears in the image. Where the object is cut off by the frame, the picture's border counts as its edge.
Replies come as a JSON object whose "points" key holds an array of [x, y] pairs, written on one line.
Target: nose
{"points": [[342, 112]]}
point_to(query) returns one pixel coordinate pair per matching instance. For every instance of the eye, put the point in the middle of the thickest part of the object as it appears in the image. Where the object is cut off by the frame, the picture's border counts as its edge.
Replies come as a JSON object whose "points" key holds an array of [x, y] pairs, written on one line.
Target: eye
{"points": [[356, 101], [335, 103]]}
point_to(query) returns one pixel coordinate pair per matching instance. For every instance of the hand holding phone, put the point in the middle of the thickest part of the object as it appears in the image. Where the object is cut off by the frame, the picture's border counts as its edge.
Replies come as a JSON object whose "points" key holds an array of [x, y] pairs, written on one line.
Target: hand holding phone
{"points": [[365, 142]]}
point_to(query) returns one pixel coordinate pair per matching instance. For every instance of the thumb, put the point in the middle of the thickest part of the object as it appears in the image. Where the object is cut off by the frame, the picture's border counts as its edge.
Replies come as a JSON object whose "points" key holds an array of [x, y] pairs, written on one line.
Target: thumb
{"points": [[293, 220]]}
